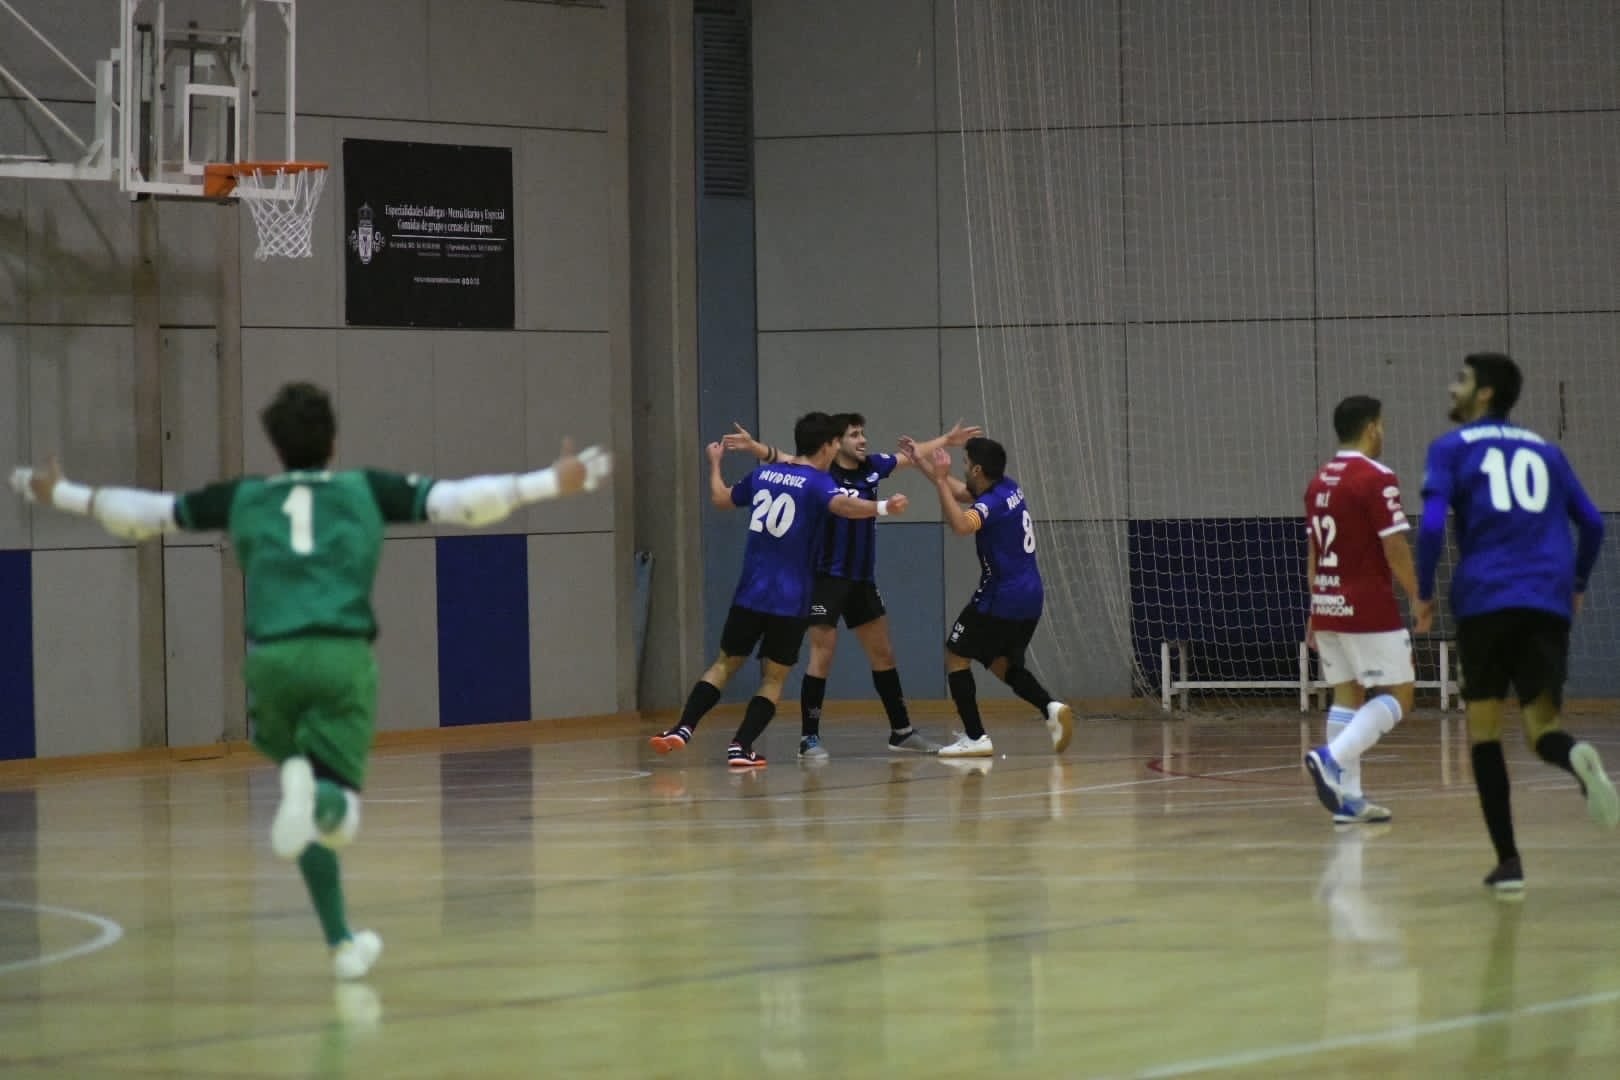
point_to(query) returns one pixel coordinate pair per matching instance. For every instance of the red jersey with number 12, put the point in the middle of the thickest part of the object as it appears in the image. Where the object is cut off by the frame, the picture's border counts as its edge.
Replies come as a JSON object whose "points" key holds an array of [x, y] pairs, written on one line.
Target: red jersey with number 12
{"points": [[1352, 503]]}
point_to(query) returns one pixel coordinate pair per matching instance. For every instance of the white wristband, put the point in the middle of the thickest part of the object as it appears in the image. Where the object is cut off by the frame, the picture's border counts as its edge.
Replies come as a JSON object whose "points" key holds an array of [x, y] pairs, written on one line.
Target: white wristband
{"points": [[883, 508], [538, 486], [71, 497]]}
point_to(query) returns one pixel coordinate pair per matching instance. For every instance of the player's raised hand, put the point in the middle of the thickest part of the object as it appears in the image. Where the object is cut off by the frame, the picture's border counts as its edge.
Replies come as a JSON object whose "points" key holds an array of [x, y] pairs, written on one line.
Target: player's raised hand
{"points": [[740, 439], [942, 458], [715, 451], [569, 469], [960, 434], [897, 504]]}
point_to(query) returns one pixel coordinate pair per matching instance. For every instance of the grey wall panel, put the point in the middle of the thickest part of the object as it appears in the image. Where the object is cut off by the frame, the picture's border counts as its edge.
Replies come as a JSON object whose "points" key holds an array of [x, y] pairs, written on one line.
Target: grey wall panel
{"points": [[1384, 58], [846, 232], [406, 602], [193, 645], [844, 66], [1055, 397], [84, 606], [566, 391], [1191, 61], [385, 393], [14, 239], [85, 31], [1042, 238], [1569, 369], [299, 292], [889, 376], [478, 407], [1222, 418], [269, 359], [15, 517], [1564, 211], [190, 417], [1218, 221], [188, 268], [571, 625], [80, 245], [1561, 54], [81, 390], [1408, 365], [1410, 217], [357, 58], [1062, 69], [563, 214], [534, 65]]}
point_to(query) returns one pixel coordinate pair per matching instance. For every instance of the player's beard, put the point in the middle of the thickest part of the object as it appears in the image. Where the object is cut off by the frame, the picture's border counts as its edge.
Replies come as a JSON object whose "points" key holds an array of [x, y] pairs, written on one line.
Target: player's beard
{"points": [[1461, 409]]}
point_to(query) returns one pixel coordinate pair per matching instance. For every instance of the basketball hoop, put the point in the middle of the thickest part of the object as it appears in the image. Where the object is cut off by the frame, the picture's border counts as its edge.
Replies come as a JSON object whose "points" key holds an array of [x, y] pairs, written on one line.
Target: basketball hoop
{"points": [[281, 196]]}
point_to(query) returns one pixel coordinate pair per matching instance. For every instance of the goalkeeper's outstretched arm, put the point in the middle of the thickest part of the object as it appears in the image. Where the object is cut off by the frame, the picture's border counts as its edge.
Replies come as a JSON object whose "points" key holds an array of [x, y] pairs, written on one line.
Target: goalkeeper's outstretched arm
{"points": [[137, 514]]}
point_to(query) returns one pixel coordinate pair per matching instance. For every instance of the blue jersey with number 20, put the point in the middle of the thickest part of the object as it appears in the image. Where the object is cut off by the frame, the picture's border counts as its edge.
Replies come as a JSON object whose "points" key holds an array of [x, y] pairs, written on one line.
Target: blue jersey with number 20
{"points": [[787, 521], [1009, 578], [1514, 497]]}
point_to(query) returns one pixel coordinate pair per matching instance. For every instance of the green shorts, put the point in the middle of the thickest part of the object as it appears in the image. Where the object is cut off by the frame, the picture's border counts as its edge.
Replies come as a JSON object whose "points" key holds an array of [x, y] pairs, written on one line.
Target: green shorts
{"points": [[316, 697]]}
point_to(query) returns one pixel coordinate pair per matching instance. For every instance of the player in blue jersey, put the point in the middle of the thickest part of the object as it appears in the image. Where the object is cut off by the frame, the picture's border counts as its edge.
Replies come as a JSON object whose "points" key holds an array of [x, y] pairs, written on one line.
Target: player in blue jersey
{"points": [[996, 626], [791, 500], [846, 584], [1519, 581]]}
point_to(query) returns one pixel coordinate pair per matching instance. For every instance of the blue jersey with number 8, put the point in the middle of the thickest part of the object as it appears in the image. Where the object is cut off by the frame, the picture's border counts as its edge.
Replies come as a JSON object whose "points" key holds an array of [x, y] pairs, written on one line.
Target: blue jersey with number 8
{"points": [[1009, 578], [1514, 497], [787, 522]]}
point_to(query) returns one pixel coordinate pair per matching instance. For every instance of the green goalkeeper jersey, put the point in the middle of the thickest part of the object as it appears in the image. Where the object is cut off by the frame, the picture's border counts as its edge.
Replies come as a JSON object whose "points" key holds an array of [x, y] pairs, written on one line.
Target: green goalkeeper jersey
{"points": [[308, 544]]}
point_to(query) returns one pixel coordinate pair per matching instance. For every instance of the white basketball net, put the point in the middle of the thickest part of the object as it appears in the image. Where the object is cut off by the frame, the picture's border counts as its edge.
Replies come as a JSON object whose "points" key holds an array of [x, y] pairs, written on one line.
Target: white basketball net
{"points": [[283, 207]]}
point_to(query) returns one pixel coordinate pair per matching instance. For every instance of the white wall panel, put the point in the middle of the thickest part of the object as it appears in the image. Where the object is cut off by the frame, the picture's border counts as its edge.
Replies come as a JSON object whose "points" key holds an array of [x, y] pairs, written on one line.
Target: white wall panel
{"points": [[86, 652], [571, 624]]}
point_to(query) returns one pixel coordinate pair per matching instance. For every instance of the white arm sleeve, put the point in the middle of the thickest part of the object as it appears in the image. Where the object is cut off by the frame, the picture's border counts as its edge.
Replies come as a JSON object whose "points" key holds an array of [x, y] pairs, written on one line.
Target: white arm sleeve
{"points": [[127, 512], [475, 501]]}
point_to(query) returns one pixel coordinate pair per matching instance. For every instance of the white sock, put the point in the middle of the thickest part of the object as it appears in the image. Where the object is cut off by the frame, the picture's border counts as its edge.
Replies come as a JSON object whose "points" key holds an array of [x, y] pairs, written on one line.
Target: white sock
{"points": [[1339, 717], [1372, 722]]}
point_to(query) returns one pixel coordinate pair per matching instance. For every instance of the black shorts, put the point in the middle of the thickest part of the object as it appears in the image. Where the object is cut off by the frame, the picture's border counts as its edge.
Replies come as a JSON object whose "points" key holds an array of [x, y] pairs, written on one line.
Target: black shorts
{"points": [[1521, 648], [778, 636], [856, 602], [987, 638]]}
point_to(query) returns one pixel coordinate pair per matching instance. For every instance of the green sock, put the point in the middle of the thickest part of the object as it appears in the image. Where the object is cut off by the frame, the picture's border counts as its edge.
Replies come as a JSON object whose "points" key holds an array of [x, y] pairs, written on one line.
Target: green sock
{"points": [[319, 865], [330, 806]]}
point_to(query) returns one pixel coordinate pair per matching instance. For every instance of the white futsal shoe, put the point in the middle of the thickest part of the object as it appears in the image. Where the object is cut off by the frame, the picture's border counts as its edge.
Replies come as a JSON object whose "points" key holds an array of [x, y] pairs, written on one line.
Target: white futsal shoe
{"points": [[1060, 725], [966, 747]]}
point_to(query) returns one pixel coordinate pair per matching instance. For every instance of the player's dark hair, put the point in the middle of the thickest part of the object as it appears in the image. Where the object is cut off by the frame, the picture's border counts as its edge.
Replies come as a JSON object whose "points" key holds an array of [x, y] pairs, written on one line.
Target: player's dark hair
{"points": [[812, 431], [988, 455], [843, 421], [301, 425], [1502, 375], [1352, 415]]}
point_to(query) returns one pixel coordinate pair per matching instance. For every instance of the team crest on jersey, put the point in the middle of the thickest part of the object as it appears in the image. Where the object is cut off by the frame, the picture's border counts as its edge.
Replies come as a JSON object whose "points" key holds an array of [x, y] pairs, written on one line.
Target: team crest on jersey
{"points": [[872, 478]]}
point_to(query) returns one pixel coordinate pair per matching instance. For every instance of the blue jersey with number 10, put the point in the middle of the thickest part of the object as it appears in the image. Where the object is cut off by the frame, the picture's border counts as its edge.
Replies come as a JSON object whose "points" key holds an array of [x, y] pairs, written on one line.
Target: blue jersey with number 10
{"points": [[787, 522], [1009, 578], [1514, 496]]}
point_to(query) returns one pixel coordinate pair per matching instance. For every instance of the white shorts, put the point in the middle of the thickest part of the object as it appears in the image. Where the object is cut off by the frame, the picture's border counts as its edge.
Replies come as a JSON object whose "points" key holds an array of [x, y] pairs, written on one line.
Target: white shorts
{"points": [[1373, 660]]}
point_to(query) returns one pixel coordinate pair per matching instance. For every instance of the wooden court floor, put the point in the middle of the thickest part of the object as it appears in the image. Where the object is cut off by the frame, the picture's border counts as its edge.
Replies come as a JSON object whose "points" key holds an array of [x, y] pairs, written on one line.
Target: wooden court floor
{"points": [[1165, 900]]}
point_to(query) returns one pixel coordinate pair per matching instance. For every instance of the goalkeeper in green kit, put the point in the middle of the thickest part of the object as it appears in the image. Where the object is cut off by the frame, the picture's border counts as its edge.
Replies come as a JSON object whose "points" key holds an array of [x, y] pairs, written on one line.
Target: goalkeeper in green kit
{"points": [[309, 541]]}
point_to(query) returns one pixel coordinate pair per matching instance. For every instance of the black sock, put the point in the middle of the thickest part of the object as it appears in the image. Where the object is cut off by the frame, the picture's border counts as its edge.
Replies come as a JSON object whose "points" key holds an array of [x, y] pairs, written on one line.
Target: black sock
{"points": [[887, 682], [1554, 747], [1491, 778], [965, 694], [704, 696], [755, 720], [1027, 686], [812, 692]]}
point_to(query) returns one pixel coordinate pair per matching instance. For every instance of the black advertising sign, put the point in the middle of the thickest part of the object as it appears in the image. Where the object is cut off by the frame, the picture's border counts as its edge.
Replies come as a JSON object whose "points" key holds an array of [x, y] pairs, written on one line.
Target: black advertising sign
{"points": [[429, 229]]}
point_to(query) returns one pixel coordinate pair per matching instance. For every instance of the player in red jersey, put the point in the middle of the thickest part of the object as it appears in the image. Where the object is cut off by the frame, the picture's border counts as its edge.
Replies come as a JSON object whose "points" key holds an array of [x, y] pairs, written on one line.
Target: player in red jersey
{"points": [[1358, 550]]}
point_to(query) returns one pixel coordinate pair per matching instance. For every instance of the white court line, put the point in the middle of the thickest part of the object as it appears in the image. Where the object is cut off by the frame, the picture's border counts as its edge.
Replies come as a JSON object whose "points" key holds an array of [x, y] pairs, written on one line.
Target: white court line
{"points": [[110, 934], [1353, 1042]]}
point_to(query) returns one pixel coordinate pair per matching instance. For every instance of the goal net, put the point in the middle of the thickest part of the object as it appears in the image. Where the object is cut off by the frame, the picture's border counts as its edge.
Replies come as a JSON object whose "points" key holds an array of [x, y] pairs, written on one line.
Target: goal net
{"points": [[1192, 228]]}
